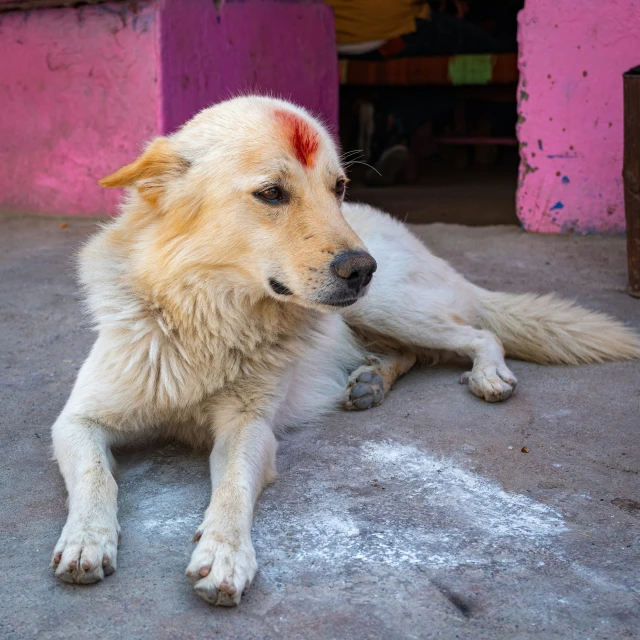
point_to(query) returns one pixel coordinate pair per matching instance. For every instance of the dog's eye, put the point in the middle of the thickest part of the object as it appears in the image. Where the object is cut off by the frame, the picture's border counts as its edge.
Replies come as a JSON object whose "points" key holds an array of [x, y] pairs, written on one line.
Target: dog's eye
{"points": [[340, 187], [272, 194]]}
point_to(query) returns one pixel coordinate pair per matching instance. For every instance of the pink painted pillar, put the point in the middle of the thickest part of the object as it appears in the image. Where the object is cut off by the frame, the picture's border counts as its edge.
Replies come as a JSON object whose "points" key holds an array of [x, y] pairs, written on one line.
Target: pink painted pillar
{"points": [[82, 89], [572, 56], [286, 49]]}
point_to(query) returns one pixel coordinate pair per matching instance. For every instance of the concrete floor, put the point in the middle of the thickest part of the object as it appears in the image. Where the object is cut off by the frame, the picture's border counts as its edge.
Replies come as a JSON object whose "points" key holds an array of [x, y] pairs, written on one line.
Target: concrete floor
{"points": [[419, 519]]}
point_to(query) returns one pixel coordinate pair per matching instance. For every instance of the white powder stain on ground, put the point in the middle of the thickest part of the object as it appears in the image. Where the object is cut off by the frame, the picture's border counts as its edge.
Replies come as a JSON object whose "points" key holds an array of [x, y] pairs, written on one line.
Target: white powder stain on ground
{"points": [[382, 503], [431, 513], [482, 503], [167, 511]]}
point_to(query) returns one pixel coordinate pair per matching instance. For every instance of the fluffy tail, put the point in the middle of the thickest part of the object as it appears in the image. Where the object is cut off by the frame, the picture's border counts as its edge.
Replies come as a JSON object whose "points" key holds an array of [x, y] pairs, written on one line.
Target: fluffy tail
{"points": [[548, 330]]}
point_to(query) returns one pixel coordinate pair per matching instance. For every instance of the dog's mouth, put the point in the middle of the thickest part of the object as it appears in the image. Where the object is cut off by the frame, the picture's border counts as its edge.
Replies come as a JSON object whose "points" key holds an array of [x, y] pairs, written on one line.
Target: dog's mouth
{"points": [[336, 301], [279, 288], [342, 303]]}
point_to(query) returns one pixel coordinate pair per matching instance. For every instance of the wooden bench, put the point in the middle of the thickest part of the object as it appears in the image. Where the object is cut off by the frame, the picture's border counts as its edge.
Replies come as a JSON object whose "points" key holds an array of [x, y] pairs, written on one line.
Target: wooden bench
{"points": [[500, 68]]}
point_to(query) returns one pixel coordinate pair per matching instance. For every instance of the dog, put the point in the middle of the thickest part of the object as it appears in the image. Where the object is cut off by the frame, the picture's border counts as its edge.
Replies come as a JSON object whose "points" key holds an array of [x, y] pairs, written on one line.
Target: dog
{"points": [[236, 295]]}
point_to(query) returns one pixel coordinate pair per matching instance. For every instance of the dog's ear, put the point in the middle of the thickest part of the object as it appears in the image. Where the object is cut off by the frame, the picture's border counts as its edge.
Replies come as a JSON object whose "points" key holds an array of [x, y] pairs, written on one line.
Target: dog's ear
{"points": [[150, 171]]}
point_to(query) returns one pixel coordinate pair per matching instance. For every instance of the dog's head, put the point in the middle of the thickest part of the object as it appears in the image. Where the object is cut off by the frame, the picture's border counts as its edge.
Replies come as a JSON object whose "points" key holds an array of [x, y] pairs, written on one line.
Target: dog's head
{"points": [[251, 186]]}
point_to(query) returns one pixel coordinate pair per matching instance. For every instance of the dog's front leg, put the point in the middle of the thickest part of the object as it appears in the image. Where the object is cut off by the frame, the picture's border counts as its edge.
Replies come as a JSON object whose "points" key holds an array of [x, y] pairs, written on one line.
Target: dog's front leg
{"points": [[86, 550], [242, 463]]}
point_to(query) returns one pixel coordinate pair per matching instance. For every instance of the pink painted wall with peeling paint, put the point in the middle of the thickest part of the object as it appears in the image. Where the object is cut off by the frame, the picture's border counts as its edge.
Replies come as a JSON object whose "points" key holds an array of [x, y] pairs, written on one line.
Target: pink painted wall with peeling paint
{"points": [[572, 56], [77, 99], [82, 89]]}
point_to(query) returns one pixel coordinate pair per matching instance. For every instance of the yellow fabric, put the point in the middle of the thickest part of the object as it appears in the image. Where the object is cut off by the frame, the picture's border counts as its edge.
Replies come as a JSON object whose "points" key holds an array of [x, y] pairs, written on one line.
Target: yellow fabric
{"points": [[366, 20]]}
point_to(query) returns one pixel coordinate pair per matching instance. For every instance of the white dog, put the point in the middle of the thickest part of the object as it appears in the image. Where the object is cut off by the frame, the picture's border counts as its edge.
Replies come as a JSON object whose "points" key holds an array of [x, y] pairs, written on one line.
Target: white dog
{"points": [[229, 299]]}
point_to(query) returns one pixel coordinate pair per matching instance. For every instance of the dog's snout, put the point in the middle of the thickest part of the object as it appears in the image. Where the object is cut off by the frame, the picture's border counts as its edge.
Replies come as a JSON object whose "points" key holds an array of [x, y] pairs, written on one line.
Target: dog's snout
{"points": [[356, 268]]}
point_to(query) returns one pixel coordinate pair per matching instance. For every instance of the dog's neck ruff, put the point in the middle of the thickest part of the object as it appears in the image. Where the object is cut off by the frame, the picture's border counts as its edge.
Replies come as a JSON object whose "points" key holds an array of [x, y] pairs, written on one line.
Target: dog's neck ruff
{"points": [[207, 314], [178, 343]]}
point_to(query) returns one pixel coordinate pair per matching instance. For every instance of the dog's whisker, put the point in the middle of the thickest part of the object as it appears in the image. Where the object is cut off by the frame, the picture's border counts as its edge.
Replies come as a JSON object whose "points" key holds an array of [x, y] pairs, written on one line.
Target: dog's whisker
{"points": [[352, 160], [366, 164], [346, 154], [349, 161]]}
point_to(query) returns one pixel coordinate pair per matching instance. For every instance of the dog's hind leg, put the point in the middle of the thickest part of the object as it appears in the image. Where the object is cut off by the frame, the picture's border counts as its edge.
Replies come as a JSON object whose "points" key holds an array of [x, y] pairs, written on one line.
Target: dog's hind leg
{"points": [[370, 383], [421, 303], [242, 463], [489, 378], [425, 324], [87, 548]]}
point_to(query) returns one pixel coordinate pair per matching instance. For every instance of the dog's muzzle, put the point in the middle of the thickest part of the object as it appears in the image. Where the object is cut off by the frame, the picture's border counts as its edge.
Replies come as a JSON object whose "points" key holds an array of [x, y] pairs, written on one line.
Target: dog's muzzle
{"points": [[352, 273]]}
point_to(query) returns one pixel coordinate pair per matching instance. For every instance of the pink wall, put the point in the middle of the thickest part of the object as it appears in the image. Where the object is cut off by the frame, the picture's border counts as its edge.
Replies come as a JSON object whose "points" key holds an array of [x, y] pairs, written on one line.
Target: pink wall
{"points": [[82, 89], [284, 48], [572, 56], [78, 97]]}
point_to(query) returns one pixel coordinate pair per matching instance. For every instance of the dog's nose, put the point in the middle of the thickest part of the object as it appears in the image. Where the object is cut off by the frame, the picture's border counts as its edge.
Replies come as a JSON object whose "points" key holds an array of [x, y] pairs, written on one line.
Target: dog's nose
{"points": [[356, 267]]}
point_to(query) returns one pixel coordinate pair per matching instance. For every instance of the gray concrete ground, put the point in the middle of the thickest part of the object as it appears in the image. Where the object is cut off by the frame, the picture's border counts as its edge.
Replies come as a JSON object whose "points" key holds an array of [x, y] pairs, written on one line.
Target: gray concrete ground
{"points": [[419, 519]]}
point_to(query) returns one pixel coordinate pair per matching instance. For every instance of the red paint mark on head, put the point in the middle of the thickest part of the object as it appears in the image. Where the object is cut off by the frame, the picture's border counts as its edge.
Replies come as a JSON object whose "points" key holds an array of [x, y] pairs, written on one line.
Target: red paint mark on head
{"points": [[302, 137]]}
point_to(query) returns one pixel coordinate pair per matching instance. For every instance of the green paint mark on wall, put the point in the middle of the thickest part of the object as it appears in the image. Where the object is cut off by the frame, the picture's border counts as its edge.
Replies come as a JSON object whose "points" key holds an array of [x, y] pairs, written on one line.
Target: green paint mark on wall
{"points": [[471, 69]]}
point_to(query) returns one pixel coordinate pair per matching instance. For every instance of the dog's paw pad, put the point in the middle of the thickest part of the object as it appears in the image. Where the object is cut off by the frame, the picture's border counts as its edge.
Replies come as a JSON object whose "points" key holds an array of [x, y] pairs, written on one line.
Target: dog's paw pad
{"points": [[224, 595], [85, 555], [493, 384], [219, 571], [365, 392]]}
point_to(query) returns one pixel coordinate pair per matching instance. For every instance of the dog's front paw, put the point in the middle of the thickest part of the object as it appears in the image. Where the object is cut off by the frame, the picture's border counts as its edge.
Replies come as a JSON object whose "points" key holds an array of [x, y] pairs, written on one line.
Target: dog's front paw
{"points": [[221, 570], [492, 383], [85, 553], [365, 389]]}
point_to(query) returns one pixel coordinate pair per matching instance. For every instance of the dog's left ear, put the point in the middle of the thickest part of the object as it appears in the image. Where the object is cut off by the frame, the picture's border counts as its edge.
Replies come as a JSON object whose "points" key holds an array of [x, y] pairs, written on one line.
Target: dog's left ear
{"points": [[150, 171]]}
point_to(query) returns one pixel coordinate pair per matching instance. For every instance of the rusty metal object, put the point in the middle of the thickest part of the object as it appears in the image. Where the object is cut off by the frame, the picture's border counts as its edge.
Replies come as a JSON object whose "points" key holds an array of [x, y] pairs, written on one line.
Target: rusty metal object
{"points": [[631, 175]]}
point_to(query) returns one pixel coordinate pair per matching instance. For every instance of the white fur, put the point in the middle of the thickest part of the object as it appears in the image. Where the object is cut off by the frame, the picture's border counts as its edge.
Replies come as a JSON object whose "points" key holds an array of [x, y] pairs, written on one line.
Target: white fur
{"points": [[194, 343]]}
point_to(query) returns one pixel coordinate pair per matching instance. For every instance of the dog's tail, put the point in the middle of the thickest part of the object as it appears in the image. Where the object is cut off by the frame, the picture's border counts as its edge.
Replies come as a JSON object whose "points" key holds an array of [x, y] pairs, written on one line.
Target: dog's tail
{"points": [[548, 330]]}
